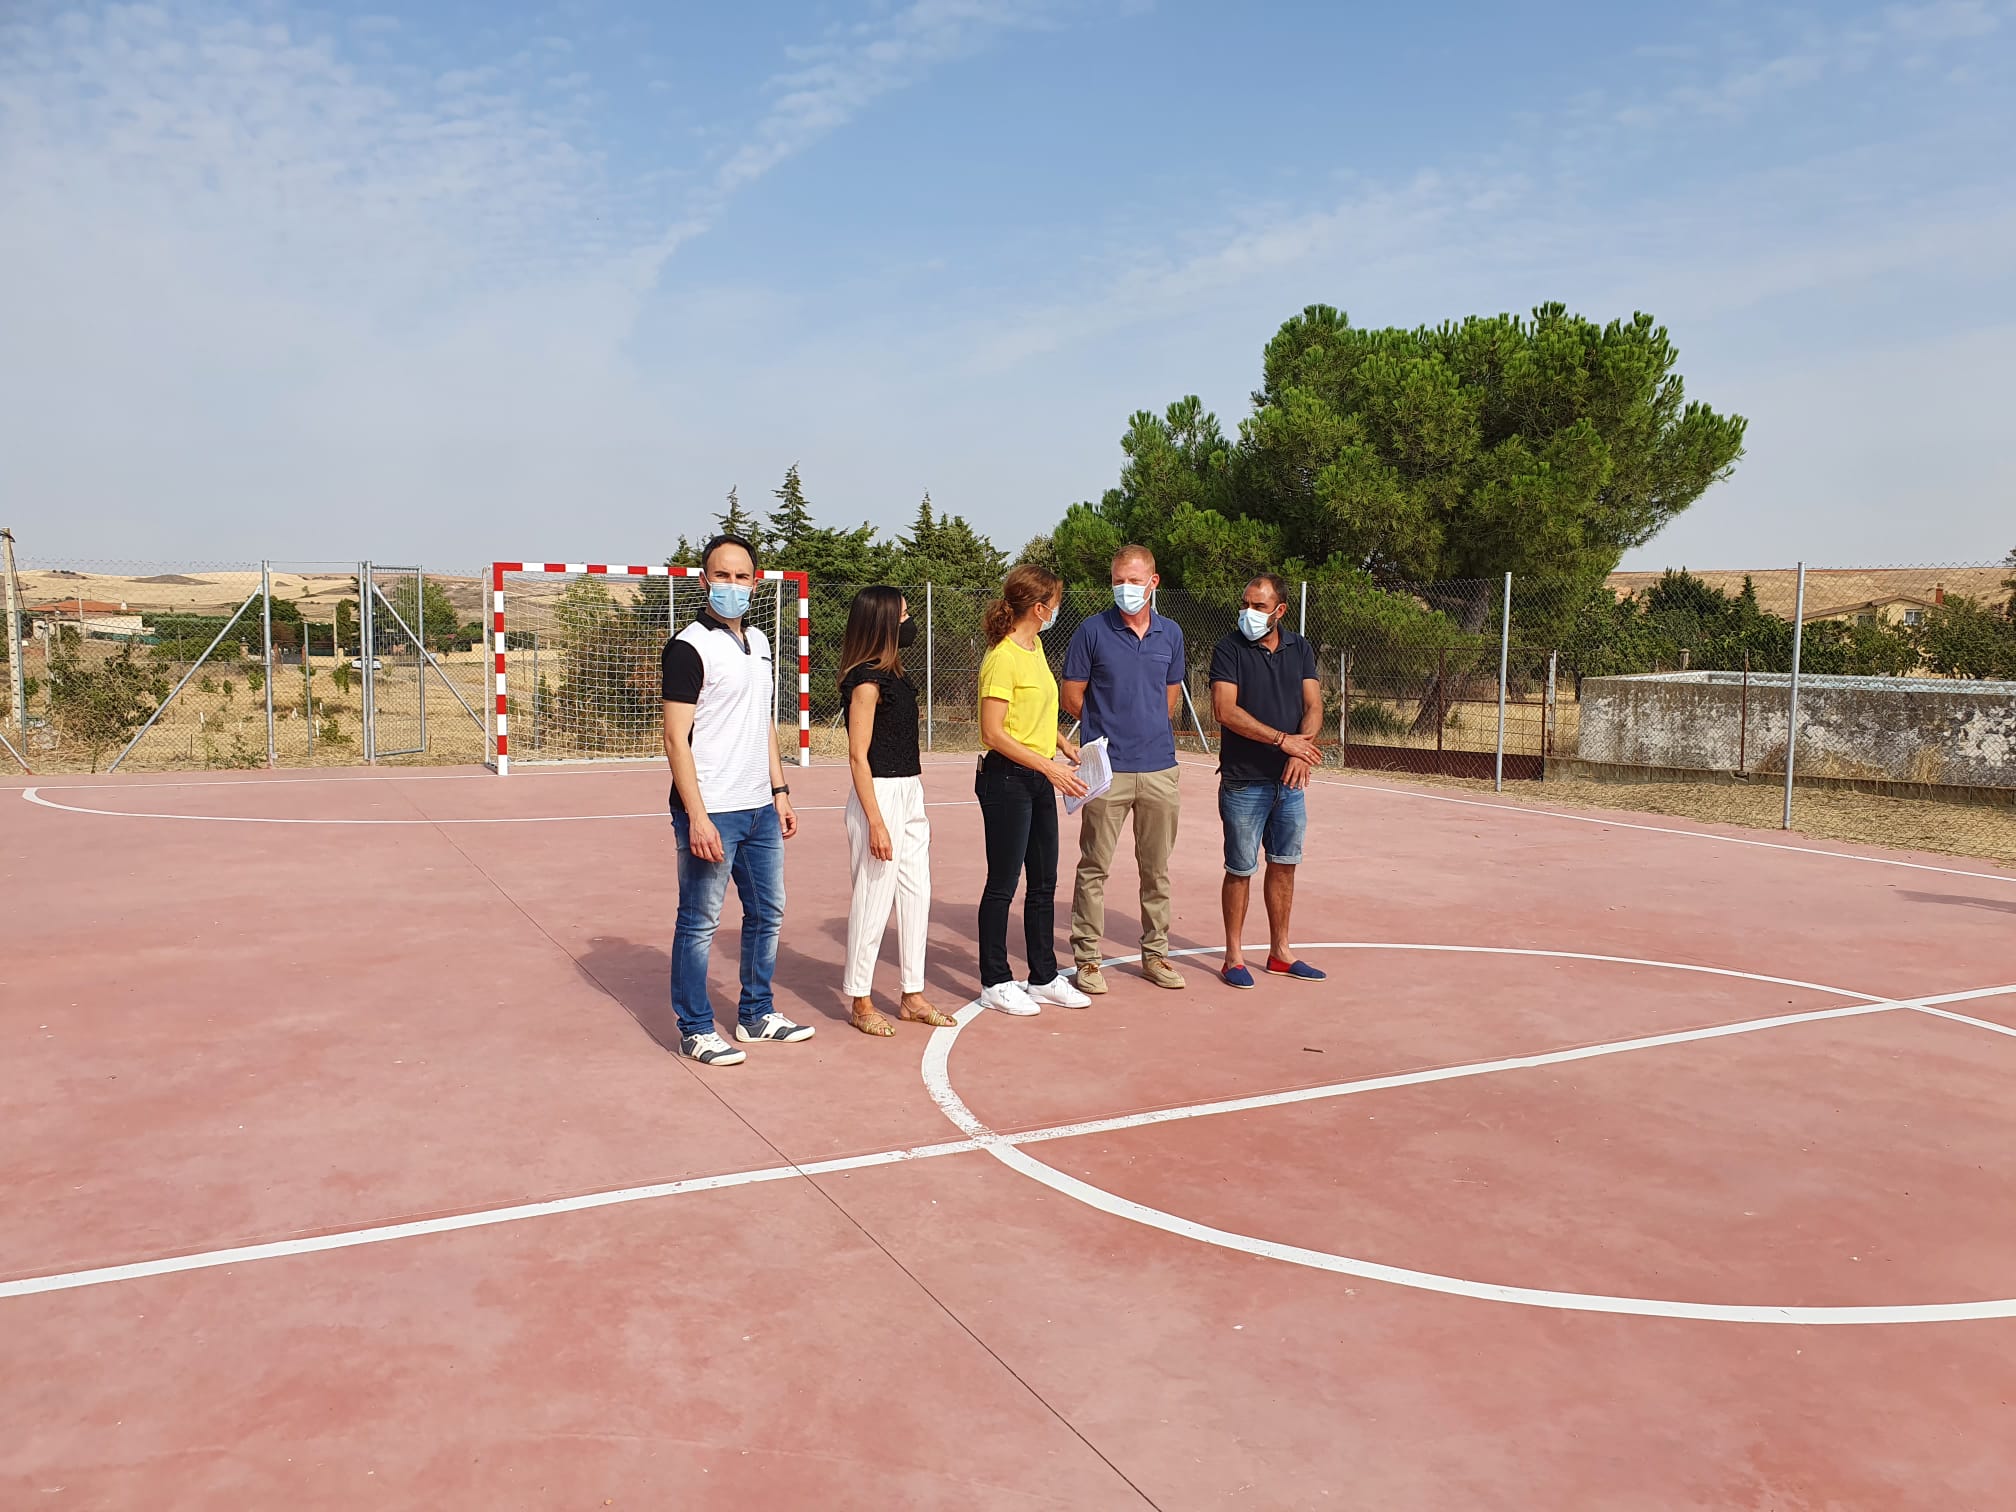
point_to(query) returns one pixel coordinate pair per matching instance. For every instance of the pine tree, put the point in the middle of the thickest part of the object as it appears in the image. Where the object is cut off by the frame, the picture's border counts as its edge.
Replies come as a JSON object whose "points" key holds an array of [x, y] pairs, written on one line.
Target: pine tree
{"points": [[923, 538], [735, 522], [791, 521]]}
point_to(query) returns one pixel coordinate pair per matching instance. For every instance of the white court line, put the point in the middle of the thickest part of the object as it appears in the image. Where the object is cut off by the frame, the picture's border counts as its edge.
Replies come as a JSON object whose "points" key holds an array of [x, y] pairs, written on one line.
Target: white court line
{"points": [[386, 1232], [1650, 829], [1961, 1018], [35, 796], [1006, 1149], [985, 1138]]}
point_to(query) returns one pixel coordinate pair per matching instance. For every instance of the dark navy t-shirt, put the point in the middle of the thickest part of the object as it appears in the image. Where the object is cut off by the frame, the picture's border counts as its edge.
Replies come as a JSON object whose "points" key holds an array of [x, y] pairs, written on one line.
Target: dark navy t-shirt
{"points": [[1270, 689], [1127, 680]]}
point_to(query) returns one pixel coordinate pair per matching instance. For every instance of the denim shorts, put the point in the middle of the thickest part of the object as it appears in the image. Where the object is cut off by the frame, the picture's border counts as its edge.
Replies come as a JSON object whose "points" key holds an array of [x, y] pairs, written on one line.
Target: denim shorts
{"points": [[1256, 811]]}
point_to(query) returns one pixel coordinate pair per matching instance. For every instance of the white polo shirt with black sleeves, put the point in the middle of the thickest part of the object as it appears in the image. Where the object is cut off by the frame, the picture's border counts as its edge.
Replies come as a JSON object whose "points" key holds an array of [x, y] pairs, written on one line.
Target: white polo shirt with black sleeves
{"points": [[732, 684]]}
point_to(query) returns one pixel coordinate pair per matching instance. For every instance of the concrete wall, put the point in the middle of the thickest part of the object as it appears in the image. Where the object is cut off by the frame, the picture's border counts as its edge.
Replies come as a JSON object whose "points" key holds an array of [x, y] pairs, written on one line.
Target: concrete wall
{"points": [[1894, 729]]}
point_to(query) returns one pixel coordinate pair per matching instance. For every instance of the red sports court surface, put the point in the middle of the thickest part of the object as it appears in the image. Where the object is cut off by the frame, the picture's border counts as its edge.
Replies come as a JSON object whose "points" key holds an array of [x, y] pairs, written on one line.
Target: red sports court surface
{"points": [[1618, 1165]]}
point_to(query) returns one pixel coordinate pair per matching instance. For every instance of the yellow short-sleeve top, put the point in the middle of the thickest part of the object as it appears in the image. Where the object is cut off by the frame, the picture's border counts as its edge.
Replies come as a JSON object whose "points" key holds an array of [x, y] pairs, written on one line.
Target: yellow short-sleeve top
{"points": [[1024, 681]]}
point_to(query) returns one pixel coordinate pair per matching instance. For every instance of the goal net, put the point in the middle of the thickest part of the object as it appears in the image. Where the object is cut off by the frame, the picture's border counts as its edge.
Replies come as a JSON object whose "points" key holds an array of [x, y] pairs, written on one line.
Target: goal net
{"points": [[576, 658]]}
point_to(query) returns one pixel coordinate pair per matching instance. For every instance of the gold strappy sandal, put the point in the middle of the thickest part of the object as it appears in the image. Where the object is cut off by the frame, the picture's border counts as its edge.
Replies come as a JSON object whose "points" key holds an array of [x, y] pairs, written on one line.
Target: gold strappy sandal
{"points": [[925, 1014]]}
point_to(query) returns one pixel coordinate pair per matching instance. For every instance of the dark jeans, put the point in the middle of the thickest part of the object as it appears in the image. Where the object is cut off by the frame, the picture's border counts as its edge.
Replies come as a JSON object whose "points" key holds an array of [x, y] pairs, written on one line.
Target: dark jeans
{"points": [[1018, 809]]}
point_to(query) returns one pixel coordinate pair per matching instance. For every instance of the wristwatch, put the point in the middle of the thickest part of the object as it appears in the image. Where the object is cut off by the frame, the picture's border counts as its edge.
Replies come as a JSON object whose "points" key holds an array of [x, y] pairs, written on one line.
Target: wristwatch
{"points": [[785, 790]]}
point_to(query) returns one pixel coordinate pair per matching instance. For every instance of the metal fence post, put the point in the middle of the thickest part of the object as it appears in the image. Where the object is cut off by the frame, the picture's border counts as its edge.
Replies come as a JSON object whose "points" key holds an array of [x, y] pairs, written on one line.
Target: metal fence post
{"points": [[930, 702], [1344, 715], [1302, 625], [266, 629], [420, 643], [17, 677], [1743, 721], [308, 689], [1548, 715], [1441, 693], [1504, 666], [366, 719], [1792, 704]]}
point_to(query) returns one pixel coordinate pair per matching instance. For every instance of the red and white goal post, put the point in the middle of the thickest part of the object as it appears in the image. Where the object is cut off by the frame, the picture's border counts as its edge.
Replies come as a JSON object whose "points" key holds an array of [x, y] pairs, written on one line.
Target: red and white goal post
{"points": [[575, 656]]}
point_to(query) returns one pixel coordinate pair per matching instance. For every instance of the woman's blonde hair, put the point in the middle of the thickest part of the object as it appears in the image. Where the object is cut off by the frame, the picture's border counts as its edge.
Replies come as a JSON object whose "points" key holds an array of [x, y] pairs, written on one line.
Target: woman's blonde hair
{"points": [[1027, 586]]}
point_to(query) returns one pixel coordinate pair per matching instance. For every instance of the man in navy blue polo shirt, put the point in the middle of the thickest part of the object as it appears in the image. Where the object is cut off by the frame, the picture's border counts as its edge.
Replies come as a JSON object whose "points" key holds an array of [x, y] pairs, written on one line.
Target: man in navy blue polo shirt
{"points": [[1269, 707], [1123, 679]]}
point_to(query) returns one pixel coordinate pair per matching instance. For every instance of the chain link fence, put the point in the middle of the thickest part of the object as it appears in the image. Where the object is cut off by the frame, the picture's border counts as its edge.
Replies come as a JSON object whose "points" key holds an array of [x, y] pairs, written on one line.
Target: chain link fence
{"points": [[149, 666], [1893, 689]]}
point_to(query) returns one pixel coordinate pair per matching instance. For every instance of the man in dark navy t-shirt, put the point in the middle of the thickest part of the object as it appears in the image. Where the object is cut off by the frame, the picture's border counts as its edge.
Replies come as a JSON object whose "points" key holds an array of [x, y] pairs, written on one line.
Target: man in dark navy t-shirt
{"points": [[1269, 707]]}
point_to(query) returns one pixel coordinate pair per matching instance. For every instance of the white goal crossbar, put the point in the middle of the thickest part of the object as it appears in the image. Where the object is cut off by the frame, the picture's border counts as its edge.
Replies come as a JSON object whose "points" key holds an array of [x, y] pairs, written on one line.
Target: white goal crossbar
{"points": [[592, 694]]}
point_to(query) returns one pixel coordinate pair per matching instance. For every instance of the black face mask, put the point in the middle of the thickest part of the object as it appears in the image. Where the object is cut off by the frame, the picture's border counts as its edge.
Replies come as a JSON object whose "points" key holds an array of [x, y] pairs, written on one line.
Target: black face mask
{"points": [[906, 635]]}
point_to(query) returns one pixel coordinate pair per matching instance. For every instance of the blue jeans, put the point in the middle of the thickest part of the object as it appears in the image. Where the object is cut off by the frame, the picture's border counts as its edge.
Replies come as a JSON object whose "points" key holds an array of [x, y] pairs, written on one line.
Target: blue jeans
{"points": [[1254, 812], [752, 840]]}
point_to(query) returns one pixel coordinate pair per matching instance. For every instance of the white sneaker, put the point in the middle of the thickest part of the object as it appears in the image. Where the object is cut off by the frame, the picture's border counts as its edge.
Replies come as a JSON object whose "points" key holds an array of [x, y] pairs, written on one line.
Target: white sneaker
{"points": [[1057, 991], [1008, 997], [710, 1050], [772, 1026]]}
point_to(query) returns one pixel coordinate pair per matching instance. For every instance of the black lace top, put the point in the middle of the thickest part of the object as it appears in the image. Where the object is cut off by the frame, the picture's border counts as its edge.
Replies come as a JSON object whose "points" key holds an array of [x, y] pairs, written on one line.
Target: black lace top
{"points": [[892, 748]]}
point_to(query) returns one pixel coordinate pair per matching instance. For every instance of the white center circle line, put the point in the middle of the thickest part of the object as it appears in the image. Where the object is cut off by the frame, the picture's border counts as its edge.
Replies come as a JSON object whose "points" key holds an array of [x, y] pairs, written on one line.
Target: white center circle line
{"points": [[1006, 1149]]}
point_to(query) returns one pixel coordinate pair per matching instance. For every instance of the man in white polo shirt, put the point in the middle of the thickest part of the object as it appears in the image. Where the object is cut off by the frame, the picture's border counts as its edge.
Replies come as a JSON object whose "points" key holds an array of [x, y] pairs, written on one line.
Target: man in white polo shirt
{"points": [[731, 808]]}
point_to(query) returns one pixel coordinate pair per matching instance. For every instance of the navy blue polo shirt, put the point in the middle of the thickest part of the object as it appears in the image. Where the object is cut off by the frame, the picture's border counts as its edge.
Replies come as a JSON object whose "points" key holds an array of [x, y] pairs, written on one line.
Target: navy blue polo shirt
{"points": [[1270, 689], [1127, 680]]}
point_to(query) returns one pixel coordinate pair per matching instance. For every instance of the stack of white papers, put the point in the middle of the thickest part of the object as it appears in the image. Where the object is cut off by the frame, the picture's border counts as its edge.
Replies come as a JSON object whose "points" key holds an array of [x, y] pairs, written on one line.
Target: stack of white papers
{"points": [[1095, 770]]}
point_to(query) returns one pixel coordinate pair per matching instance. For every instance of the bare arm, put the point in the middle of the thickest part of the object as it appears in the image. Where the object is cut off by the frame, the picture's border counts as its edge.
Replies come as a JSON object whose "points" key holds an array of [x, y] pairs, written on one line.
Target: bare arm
{"points": [[1175, 700], [704, 840], [1296, 773], [787, 818], [1298, 746], [861, 706], [1071, 698]]}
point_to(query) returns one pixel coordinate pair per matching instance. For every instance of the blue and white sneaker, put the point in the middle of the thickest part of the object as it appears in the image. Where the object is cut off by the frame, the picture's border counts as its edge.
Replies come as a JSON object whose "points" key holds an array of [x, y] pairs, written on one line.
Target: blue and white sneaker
{"points": [[773, 1026], [710, 1050]]}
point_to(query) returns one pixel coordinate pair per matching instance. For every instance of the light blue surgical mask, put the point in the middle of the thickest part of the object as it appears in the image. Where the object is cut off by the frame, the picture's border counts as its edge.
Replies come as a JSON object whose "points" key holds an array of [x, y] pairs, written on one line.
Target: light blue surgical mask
{"points": [[1255, 623], [728, 600], [1131, 597], [1044, 628]]}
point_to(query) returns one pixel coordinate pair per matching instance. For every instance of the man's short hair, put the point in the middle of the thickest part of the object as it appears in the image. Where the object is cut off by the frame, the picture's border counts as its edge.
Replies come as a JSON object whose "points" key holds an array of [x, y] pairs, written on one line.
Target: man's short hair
{"points": [[1133, 553], [728, 539], [1274, 584]]}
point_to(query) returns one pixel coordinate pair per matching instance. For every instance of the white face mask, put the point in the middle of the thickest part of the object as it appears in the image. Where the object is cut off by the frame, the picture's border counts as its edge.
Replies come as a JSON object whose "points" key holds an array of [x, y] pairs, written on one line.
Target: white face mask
{"points": [[1131, 597], [1255, 623], [1045, 626]]}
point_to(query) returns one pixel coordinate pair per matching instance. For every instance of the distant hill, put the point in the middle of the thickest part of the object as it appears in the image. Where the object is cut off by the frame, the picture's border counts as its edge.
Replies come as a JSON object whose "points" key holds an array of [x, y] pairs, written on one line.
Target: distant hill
{"points": [[1837, 587]]}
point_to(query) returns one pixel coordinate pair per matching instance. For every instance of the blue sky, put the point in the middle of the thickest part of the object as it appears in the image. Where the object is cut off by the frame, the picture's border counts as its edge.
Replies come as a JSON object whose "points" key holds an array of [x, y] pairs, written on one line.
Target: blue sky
{"points": [[461, 281]]}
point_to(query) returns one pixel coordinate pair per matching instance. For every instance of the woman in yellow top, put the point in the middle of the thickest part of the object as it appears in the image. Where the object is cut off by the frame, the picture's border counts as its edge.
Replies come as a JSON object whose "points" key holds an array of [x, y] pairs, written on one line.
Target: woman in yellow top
{"points": [[1017, 786]]}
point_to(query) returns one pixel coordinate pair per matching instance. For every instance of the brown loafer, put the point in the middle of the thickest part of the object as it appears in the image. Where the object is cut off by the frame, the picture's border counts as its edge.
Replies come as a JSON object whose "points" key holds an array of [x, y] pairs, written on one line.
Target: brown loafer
{"points": [[1091, 979], [1158, 970]]}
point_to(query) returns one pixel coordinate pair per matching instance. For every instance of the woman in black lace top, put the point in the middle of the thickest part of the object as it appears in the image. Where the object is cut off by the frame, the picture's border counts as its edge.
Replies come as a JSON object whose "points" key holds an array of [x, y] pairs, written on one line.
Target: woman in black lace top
{"points": [[888, 835]]}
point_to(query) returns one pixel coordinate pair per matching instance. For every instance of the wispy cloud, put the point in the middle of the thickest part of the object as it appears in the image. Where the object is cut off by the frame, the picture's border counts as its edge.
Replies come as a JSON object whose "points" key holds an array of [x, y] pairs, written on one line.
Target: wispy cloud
{"points": [[834, 80], [259, 257], [1943, 21], [1618, 230]]}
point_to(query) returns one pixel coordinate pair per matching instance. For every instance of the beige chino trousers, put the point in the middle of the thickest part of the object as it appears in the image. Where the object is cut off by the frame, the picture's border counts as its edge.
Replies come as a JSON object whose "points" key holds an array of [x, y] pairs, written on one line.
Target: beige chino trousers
{"points": [[1152, 800]]}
